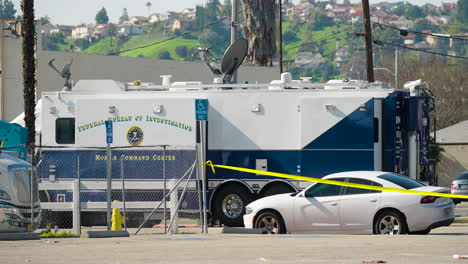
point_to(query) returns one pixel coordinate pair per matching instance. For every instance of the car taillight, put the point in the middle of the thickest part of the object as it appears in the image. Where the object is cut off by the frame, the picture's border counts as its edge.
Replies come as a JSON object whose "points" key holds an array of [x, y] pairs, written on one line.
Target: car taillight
{"points": [[428, 199], [454, 186]]}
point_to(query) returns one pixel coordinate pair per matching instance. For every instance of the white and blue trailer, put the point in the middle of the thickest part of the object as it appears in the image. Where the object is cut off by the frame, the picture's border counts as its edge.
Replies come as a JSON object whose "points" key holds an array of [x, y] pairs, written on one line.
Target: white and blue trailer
{"points": [[287, 126]]}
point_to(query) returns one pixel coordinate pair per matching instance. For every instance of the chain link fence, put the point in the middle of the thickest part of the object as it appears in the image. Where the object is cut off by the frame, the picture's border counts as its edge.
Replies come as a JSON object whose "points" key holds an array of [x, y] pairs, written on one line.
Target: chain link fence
{"points": [[153, 189]]}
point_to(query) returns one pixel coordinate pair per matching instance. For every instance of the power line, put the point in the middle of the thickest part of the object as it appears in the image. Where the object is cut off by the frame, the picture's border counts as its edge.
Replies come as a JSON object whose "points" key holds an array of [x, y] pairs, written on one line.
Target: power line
{"points": [[422, 33], [451, 25], [381, 43], [305, 19], [311, 42], [171, 38]]}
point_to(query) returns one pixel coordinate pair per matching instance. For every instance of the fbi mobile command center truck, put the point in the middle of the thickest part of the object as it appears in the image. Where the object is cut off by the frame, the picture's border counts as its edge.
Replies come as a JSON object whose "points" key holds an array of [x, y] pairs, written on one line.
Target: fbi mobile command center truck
{"points": [[288, 126]]}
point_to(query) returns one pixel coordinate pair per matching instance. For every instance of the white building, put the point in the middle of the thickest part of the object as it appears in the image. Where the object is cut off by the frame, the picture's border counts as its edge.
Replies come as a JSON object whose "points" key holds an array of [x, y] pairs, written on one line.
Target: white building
{"points": [[130, 29], [81, 32], [139, 20]]}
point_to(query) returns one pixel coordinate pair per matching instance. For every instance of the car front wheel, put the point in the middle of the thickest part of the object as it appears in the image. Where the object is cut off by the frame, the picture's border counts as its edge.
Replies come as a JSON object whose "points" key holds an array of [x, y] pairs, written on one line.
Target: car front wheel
{"points": [[270, 223], [390, 223]]}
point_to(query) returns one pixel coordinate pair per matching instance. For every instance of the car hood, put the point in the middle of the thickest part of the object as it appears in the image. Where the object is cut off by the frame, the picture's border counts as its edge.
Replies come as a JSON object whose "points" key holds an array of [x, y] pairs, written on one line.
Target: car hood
{"points": [[270, 200]]}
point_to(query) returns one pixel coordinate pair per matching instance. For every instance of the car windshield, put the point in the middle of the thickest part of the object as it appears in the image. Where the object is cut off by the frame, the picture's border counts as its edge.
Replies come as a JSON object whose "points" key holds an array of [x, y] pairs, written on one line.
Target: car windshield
{"points": [[463, 176], [401, 181]]}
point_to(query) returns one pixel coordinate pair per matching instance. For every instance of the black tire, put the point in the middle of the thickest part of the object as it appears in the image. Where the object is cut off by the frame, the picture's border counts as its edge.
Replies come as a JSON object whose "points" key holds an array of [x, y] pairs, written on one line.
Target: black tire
{"points": [[390, 223], [277, 189], [223, 209], [270, 223]]}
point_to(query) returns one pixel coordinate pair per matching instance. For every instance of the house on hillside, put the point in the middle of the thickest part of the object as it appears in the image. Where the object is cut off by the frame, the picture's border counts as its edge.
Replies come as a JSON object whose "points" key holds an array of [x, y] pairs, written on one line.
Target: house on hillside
{"points": [[139, 20], [189, 13], [454, 160], [410, 39], [178, 24], [82, 32], [130, 29], [390, 18], [287, 9], [47, 29], [308, 59], [64, 29], [403, 23], [331, 6], [355, 11], [98, 31], [172, 14]]}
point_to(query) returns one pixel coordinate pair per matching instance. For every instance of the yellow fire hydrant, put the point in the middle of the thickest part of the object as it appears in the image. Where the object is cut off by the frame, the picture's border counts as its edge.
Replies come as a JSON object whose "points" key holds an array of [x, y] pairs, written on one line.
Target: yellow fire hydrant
{"points": [[117, 219]]}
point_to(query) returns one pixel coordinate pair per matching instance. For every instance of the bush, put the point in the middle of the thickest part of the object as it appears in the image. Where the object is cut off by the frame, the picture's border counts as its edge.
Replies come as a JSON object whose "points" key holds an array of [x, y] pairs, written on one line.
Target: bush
{"points": [[289, 37], [164, 55], [181, 51]]}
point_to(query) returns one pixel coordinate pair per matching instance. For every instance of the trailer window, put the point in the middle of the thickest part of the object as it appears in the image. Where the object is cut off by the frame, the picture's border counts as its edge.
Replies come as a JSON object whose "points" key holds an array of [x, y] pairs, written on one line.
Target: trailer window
{"points": [[65, 131]]}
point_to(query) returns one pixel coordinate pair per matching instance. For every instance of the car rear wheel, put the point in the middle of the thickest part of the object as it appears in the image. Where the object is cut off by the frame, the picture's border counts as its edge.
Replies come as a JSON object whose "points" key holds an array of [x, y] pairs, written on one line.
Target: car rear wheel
{"points": [[270, 223], [390, 223]]}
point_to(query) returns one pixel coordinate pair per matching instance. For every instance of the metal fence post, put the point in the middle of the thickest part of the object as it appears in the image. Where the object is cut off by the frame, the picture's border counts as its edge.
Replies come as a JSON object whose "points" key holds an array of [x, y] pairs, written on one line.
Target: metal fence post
{"points": [[123, 192], [164, 189], [76, 207], [109, 187], [173, 207]]}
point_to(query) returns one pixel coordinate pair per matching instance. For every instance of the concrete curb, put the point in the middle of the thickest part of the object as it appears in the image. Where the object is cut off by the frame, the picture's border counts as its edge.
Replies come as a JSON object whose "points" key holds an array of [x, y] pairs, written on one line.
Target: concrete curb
{"points": [[459, 220], [19, 236], [232, 230], [105, 234]]}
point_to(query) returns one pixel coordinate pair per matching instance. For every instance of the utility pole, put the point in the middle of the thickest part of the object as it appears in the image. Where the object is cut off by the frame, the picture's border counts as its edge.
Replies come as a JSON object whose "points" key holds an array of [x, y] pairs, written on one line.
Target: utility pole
{"points": [[368, 40], [280, 35], [234, 31], [396, 68], [29, 71]]}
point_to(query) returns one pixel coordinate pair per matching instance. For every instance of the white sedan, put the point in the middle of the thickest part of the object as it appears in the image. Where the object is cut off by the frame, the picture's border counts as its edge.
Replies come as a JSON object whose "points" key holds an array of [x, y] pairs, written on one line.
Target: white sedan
{"points": [[335, 209]]}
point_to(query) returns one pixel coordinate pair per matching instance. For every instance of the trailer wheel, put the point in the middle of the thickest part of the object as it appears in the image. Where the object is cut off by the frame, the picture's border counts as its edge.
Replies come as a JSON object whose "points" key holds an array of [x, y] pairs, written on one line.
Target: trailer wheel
{"points": [[229, 204]]}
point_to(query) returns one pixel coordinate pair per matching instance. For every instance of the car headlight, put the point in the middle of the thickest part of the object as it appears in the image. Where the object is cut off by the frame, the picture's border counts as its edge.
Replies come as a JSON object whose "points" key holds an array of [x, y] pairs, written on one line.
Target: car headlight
{"points": [[4, 195], [248, 210]]}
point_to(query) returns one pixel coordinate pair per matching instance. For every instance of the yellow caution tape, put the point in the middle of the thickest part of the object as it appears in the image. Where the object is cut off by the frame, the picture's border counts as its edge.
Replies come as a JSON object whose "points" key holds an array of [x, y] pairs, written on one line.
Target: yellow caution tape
{"points": [[347, 184]]}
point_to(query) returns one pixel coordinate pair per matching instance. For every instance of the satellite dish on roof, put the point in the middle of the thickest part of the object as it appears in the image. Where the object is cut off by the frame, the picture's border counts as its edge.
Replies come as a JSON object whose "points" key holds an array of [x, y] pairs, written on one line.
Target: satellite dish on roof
{"points": [[232, 59]]}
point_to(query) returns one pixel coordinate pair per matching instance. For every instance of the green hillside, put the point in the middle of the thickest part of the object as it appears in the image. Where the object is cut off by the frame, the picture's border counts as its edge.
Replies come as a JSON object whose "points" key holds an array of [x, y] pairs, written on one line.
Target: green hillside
{"points": [[104, 47], [153, 51], [150, 47]]}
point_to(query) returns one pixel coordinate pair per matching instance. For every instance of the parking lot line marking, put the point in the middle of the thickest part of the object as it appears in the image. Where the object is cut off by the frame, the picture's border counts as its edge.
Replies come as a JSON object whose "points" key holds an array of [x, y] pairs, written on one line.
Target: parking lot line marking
{"points": [[306, 236], [347, 184], [183, 238]]}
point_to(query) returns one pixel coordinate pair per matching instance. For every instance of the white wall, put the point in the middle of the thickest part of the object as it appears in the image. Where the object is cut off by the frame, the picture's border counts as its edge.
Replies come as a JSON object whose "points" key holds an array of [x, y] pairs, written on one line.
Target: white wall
{"points": [[86, 66]]}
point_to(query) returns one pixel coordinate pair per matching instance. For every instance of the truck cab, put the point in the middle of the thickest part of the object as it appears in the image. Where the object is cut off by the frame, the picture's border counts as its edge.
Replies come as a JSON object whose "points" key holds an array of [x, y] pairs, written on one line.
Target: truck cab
{"points": [[17, 199]]}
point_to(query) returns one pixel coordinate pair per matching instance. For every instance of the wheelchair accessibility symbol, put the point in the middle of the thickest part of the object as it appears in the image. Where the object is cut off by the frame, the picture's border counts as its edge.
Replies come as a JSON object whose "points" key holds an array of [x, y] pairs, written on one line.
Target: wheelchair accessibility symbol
{"points": [[201, 109]]}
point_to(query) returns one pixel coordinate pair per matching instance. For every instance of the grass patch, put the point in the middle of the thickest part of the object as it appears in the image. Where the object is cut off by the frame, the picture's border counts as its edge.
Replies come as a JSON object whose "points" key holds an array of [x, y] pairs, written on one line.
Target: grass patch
{"points": [[154, 50], [57, 235]]}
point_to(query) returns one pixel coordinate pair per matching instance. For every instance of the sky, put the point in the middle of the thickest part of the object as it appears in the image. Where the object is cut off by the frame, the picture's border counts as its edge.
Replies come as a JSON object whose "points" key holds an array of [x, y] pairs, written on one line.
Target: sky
{"points": [[73, 12]]}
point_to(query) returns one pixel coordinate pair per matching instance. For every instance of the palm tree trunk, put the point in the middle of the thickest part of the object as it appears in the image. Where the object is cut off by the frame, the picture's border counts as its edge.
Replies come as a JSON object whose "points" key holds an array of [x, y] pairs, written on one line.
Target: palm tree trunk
{"points": [[29, 70], [259, 29]]}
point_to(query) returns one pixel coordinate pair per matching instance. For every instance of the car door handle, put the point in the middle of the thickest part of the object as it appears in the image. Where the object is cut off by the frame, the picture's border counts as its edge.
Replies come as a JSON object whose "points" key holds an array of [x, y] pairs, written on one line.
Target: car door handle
{"points": [[373, 200], [334, 204]]}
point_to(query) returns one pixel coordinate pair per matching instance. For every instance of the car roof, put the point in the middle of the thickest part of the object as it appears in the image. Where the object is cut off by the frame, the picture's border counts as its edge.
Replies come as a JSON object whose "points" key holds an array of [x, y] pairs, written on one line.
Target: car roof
{"points": [[370, 175]]}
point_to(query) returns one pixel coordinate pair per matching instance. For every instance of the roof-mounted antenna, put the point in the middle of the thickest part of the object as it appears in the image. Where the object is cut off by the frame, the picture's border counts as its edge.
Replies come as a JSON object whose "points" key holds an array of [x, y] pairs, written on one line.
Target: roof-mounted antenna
{"points": [[232, 59], [65, 73]]}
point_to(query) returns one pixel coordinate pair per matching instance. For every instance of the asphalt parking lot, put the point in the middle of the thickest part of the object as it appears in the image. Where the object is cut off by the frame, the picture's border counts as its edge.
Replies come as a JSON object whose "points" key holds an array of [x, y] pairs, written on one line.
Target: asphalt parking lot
{"points": [[437, 247]]}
